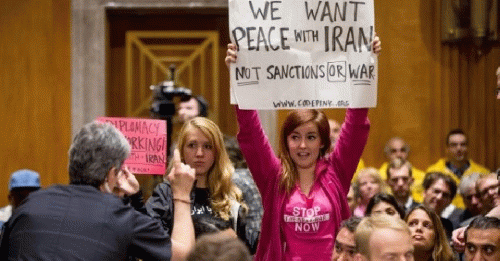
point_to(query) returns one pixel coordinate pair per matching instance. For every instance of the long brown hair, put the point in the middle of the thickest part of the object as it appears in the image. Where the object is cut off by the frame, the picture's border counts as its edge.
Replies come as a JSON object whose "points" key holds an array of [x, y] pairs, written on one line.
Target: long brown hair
{"points": [[441, 250], [290, 175], [219, 178]]}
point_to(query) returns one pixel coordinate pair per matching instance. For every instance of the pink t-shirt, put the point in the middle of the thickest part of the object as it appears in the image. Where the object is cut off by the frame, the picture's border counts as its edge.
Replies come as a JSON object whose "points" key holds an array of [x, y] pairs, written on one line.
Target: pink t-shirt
{"points": [[307, 225], [359, 211]]}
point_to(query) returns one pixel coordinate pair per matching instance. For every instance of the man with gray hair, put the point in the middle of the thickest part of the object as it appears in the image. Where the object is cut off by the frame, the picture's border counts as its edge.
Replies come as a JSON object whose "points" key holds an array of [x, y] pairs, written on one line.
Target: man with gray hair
{"points": [[86, 220], [383, 237], [472, 200]]}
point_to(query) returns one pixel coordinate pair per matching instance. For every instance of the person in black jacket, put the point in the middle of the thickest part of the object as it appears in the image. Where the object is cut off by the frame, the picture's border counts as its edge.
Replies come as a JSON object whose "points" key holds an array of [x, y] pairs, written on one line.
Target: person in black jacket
{"points": [[87, 221], [216, 201]]}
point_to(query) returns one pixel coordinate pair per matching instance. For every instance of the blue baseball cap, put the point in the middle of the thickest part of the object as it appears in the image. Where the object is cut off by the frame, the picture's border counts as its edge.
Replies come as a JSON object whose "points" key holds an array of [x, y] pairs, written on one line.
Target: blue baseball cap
{"points": [[24, 178]]}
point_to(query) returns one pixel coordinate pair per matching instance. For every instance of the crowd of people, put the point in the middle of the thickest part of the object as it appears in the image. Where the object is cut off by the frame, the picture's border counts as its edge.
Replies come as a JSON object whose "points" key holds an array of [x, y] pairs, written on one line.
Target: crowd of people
{"points": [[235, 199]]}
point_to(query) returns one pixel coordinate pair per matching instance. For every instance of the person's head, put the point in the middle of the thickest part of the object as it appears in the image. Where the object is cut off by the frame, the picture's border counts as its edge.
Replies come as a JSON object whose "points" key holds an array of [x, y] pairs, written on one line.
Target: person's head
{"points": [[345, 245], [428, 234], [304, 137], [439, 191], [368, 184], [334, 131], [456, 146], [351, 198], [192, 106], [219, 247], [396, 148], [399, 179], [482, 239], [96, 156], [383, 203], [382, 237], [467, 188], [487, 189], [201, 146], [21, 184]]}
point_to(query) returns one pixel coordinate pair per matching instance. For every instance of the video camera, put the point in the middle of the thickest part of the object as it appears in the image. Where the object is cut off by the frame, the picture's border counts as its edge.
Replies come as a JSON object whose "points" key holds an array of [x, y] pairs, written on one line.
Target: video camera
{"points": [[163, 105]]}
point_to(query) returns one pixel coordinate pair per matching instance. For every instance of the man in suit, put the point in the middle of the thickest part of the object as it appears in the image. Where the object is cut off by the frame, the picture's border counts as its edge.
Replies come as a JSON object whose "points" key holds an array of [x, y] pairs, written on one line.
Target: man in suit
{"points": [[471, 198], [439, 191], [87, 220], [400, 179]]}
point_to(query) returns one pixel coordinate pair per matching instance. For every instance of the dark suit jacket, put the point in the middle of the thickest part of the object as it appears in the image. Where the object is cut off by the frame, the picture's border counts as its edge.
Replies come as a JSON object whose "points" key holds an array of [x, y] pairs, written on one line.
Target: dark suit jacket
{"points": [[413, 204], [455, 216], [79, 222]]}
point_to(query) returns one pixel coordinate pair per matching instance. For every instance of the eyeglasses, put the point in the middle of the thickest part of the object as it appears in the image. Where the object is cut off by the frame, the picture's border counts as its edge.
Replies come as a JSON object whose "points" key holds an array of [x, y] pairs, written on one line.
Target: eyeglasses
{"points": [[492, 188]]}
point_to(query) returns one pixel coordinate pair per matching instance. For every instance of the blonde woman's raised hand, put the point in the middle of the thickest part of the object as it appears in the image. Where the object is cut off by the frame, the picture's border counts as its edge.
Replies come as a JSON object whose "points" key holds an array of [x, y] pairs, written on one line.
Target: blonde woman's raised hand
{"points": [[181, 177]]}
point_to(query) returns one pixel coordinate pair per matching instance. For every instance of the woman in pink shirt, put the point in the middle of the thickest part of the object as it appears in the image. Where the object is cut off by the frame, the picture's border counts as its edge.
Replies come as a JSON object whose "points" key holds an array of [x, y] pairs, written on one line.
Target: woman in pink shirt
{"points": [[303, 191]]}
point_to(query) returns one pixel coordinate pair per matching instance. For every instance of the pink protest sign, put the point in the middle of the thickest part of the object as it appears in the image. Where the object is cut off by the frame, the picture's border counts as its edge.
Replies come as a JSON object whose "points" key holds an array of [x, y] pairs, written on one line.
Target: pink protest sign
{"points": [[148, 141]]}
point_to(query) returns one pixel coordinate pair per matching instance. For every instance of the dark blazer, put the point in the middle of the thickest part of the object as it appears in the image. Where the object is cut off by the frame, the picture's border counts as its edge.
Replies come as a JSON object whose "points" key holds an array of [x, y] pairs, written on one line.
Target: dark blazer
{"points": [[455, 217], [78, 222], [412, 205]]}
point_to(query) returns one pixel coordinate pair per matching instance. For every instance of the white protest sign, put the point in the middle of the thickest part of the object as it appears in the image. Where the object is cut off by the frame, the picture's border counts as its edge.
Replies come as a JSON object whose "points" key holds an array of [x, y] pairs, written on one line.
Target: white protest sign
{"points": [[303, 54]]}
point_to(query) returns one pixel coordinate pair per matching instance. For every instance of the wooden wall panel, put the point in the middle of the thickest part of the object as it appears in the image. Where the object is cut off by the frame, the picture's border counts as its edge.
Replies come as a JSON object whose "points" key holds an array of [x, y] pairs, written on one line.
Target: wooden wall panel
{"points": [[119, 22], [35, 84], [427, 88]]}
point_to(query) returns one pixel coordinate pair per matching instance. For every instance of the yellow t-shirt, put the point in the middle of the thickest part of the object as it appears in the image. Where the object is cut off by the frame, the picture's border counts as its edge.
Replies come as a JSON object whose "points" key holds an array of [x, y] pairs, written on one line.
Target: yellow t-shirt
{"points": [[361, 165]]}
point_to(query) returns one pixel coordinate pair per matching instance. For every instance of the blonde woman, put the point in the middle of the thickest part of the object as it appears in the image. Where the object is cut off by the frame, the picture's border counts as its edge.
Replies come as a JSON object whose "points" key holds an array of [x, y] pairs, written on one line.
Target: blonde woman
{"points": [[368, 184], [216, 203]]}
